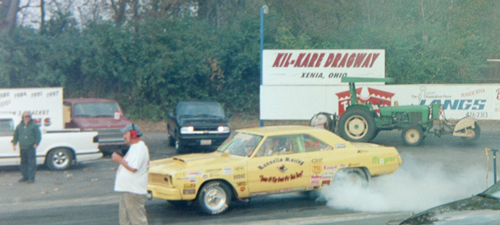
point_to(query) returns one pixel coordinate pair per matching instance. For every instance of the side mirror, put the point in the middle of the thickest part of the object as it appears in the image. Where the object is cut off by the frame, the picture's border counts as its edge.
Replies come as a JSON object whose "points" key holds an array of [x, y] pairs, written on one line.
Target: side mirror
{"points": [[228, 114]]}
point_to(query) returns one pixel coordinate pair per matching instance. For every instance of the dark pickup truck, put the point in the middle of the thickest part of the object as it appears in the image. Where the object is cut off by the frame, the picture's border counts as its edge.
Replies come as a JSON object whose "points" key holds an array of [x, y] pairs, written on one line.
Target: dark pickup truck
{"points": [[197, 124]]}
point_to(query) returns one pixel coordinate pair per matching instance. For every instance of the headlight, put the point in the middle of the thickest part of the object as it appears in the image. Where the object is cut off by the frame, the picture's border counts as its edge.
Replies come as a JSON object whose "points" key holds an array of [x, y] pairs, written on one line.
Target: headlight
{"points": [[223, 129], [187, 129]]}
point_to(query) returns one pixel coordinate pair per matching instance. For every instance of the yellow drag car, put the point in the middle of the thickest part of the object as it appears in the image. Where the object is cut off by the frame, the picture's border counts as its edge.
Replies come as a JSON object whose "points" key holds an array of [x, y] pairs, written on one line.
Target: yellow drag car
{"points": [[265, 161]]}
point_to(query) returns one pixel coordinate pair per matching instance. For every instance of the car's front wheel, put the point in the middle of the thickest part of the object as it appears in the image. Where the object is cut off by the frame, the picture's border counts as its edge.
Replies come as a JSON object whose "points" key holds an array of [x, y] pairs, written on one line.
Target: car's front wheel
{"points": [[59, 159], [214, 198]]}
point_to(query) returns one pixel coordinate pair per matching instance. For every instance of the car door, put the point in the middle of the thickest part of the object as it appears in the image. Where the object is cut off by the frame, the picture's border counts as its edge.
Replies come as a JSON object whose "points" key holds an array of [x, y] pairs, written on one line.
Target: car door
{"points": [[7, 155], [278, 167]]}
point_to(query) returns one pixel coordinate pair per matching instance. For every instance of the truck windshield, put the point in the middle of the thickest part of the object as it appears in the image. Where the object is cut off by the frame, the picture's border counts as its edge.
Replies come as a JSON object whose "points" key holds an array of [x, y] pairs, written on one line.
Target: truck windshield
{"points": [[242, 144], [95, 109], [200, 109]]}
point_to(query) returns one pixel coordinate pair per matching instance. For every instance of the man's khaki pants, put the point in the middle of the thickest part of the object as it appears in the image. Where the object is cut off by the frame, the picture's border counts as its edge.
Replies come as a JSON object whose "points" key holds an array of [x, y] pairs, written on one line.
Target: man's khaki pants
{"points": [[132, 209]]}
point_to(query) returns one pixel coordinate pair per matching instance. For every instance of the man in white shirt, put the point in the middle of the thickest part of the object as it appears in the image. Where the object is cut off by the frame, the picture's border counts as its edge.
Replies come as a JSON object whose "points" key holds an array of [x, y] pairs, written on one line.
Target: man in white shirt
{"points": [[132, 177]]}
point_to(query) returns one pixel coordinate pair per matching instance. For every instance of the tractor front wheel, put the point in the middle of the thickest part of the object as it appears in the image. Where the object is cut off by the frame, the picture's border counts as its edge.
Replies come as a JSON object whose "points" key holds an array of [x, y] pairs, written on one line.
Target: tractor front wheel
{"points": [[413, 135], [357, 125]]}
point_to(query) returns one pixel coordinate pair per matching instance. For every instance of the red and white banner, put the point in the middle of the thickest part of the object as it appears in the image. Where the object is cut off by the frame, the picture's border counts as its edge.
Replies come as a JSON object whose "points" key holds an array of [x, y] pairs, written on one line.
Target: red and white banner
{"points": [[481, 101], [321, 67]]}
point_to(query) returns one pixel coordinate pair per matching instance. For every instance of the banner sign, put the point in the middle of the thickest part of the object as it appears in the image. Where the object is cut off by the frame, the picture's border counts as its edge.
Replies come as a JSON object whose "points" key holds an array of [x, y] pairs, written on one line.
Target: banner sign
{"points": [[481, 101], [45, 105], [320, 67]]}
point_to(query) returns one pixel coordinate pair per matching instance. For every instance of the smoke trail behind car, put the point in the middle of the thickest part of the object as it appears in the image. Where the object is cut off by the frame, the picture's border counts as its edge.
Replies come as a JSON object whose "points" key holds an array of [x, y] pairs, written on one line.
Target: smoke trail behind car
{"points": [[415, 186]]}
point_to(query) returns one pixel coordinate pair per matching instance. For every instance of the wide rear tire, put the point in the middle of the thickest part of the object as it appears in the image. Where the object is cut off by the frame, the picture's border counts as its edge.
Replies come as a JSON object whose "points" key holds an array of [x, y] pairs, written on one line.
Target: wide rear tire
{"points": [[357, 125], [352, 177]]}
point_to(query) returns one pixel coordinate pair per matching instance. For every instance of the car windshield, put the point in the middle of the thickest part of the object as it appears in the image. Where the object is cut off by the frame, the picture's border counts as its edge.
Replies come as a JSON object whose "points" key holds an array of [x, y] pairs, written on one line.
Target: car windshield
{"points": [[200, 109], [242, 144], [493, 191], [96, 109]]}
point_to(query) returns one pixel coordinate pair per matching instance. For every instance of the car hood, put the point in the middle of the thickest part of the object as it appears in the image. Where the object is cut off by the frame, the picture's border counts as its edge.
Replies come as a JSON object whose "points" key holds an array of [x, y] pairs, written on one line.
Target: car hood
{"points": [[192, 162], [475, 210], [363, 145], [104, 122], [202, 120]]}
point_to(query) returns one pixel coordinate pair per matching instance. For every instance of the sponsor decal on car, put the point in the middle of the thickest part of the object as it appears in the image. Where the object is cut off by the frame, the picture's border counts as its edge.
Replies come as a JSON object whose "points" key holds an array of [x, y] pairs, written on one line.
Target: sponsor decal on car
{"points": [[377, 160], [274, 179], [228, 171], [330, 168], [316, 160], [315, 180], [187, 186], [279, 160], [189, 191], [195, 174], [316, 169], [258, 194], [239, 176]]}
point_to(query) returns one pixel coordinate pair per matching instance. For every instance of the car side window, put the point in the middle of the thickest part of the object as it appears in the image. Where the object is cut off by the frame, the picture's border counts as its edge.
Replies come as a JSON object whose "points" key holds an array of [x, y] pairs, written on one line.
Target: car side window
{"points": [[279, 145], [6, 127], [312, 144]]}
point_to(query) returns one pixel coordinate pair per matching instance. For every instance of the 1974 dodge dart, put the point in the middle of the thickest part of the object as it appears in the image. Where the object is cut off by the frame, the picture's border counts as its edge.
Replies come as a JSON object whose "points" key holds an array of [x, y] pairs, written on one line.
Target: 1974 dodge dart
{"points": [[266, 161]]}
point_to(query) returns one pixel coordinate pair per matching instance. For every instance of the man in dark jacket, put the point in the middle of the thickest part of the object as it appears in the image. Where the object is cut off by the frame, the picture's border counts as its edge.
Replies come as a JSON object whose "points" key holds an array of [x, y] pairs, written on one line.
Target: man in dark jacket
{"points": [[28, 136]]}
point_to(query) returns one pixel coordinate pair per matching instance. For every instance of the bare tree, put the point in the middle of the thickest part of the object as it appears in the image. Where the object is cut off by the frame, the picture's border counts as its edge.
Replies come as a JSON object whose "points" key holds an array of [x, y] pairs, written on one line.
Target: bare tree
{"points": [[8, 14]]}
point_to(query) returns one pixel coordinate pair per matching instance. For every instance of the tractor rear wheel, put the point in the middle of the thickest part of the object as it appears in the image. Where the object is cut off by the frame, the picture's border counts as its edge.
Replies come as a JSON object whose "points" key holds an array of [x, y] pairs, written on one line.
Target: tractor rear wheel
{"points": [[413, 135], [357, 125]]}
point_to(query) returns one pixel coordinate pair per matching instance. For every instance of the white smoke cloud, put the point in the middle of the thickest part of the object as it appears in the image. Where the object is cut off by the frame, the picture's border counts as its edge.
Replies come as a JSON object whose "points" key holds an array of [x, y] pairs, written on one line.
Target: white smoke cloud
{"points": [[415, 186]]}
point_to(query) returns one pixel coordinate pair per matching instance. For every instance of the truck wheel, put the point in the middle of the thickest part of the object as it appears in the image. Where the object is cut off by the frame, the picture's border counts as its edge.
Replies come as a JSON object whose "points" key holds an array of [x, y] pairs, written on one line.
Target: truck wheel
{"points": [[171, 140], [477, 132], [59, 159], [214, 198], [357, 125], [179, 147], [413, 135]]}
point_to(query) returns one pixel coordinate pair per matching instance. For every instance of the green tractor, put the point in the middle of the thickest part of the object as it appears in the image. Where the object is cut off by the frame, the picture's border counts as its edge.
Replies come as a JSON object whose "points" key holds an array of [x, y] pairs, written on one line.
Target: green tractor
{"points": [[361, 123]]}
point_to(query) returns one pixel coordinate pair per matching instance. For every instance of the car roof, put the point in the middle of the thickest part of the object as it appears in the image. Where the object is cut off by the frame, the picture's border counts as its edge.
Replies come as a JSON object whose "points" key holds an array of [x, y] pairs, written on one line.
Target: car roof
{"points": [[280, 130]]}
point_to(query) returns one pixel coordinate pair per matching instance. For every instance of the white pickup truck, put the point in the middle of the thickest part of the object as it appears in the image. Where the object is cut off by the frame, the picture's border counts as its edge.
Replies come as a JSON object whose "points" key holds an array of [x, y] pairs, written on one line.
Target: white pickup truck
{"points": [[58, 150]]}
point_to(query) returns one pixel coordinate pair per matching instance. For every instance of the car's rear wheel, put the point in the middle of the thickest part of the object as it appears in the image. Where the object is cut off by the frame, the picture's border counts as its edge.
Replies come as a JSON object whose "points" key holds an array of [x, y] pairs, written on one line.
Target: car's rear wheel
{"points": [[59, 159], [354, 177], [214, 197]]}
